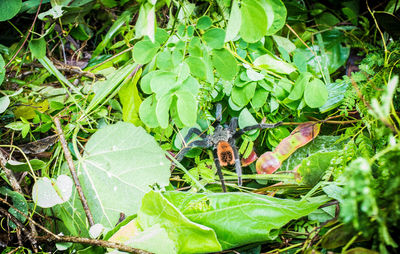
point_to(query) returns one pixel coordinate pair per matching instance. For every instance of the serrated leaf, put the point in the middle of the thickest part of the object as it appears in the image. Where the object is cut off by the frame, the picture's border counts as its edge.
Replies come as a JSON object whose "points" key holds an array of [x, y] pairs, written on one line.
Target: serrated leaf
{"points": [[123, 161], [225, 63], [315, 94]]}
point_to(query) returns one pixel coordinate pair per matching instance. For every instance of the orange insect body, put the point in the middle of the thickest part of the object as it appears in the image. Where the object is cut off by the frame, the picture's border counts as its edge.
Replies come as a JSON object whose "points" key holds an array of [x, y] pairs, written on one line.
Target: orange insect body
{"points": [[225, 154]]}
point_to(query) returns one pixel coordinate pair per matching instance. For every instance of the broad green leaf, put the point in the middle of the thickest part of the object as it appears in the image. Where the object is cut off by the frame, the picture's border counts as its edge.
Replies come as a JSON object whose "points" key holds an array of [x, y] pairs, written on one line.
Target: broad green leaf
{"points": [[146, 22], [254, 23], [214, 38], [315, 94], [280, 13], [241, 96], [191, 85], [9, 8], [123, 161], [299, 86], [274, 64], [260, 97], [197, 67], [163, 81], [189, 237], [187, 107], [144, 51], [252, 217], [38, 47], [224, 63], [164, 61], [4, 103], [147, 112], [130, 99], [235, 19], [162, 109], [2, 70], [17, 166], [246, 119], [313, 168], [145, 82], [106, 87], [50, 192], [204, 23]]}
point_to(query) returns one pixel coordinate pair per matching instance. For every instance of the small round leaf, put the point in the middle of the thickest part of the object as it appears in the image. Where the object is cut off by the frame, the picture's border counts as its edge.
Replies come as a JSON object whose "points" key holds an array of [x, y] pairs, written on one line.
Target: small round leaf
{"points": [[215, 38], [315, 94]]}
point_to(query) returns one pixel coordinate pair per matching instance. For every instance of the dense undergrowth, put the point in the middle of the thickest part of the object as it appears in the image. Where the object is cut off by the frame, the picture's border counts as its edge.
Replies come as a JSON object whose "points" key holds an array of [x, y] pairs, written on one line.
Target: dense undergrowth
{"points": [[97, 98]]}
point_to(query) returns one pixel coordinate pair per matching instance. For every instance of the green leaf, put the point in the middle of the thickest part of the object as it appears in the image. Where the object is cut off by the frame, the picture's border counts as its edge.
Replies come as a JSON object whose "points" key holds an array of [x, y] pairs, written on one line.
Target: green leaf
{"points": [[246, 119], [191, 85], [163, 81], [254, 23], [4, 103], [299, 86], [214, 38], [106, 87], [260, 97], [252, 217], [123, 161], [189, 237], [144, 51], [279, 12], [164, 61], [197, 67], [225, 63], [38, 47], [50, 192], [187, 107], [235, 19], [145, 82], [130, 99], [2, 70], [272, 63], [241, 96], [9, 8], [17, 166], [19, 202], [315, 94], [336, 93], [284, 43], [162, 110], [147, 112], [204, 23], [313, 167], [146, 22]]}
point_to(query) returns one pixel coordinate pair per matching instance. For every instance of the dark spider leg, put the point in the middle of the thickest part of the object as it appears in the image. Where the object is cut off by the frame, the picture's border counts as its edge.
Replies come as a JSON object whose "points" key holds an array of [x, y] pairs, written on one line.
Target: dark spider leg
{"points": [[194, 131], [219, 171], [238, 166], [196, 143], [257, 126]]}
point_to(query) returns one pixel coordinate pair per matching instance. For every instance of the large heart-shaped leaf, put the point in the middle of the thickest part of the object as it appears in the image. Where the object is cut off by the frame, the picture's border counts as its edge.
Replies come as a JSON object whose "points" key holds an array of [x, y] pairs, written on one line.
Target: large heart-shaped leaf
{"points": [[119, 165]]}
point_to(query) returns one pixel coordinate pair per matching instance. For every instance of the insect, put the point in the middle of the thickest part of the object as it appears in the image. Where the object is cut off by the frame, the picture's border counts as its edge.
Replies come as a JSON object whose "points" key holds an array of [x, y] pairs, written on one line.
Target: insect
{"points": [[222, 142]]}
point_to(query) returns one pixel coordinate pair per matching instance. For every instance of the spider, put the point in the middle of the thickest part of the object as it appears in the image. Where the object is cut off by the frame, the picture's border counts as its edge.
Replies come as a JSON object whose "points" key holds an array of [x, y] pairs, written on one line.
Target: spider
{"points": [[222, 142]]}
